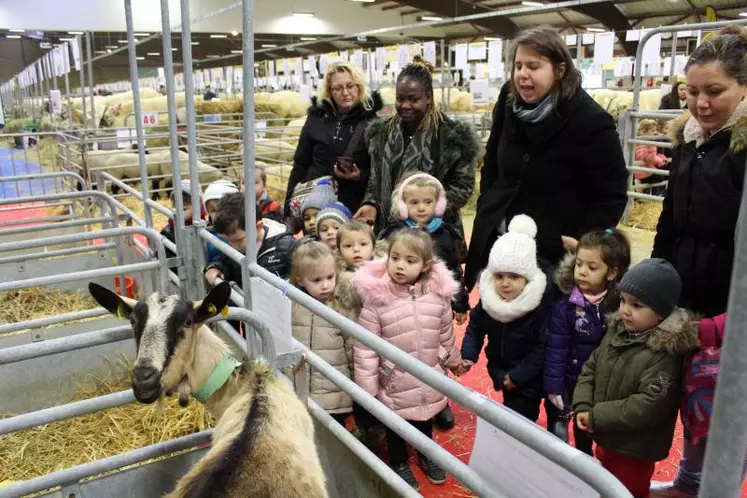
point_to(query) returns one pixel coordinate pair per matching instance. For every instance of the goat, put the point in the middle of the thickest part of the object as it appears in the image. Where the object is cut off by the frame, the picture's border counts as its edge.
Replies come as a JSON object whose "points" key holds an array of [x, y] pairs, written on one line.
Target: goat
{"points": [[263, 444]]}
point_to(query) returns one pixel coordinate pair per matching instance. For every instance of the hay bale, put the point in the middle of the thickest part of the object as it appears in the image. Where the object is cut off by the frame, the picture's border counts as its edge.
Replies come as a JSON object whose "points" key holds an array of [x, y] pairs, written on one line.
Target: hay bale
{"points": [[38, 302], [49, 448], [645, 214], [277, 180]]}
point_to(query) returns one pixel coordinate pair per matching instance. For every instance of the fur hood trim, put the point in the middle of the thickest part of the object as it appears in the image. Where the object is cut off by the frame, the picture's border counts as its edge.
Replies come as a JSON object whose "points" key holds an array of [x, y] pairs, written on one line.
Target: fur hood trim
{"points": [[507, 311], [375, 287], [321, 107], [565, 280], [677, 334], [685, 129], [346, 298]]}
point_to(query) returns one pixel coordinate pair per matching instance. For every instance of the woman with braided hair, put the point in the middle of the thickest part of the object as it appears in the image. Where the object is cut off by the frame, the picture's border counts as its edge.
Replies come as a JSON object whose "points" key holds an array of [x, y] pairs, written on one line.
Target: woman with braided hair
{"points": [[418, 138]]}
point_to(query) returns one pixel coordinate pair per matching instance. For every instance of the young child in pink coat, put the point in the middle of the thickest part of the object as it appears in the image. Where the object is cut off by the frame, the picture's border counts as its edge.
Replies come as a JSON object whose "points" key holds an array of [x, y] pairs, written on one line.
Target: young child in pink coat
{"points": [[407, 302]]}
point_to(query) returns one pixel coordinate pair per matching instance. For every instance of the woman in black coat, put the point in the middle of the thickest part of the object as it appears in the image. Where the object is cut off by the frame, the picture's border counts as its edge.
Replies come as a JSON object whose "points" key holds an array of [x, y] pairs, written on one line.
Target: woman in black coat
{"points": [[329, 127], [675, 100], [553, 154]]}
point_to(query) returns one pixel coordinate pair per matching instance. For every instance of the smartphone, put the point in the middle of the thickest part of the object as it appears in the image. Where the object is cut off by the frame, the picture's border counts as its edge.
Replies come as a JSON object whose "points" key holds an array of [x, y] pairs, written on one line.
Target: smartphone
{"points": [[345, 164]]}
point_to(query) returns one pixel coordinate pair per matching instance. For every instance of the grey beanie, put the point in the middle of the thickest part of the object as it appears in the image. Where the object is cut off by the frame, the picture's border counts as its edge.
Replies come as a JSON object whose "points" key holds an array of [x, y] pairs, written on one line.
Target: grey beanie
{"points": [[655, 283], [320, 197]]}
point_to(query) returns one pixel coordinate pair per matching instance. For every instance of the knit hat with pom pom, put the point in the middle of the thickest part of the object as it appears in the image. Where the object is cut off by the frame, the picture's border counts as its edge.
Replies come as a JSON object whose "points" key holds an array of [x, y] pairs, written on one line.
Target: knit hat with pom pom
{"points": [[516, 251]]}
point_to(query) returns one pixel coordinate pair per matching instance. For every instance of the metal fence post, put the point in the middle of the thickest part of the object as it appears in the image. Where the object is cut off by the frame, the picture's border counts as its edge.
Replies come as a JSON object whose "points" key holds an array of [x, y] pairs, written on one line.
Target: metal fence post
{"points": [[250, 205]]}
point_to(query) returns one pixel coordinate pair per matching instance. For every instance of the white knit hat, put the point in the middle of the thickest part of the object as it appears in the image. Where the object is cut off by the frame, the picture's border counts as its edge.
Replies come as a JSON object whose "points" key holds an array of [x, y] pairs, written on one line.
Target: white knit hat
{"points": [[516, 251], [216, 190]]}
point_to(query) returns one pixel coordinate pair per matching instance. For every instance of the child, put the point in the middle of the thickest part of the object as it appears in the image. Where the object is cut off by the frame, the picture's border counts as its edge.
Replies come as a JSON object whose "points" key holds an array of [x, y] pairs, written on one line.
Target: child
{"points": [[214, 193], [407, 302], [168, 230], [514, 311], [648, 154], [329, 221], [420, 201], [314, 270], [268, 207], [319, 198], [355, 246], [275, 243], [589, 282], [628, 393]]}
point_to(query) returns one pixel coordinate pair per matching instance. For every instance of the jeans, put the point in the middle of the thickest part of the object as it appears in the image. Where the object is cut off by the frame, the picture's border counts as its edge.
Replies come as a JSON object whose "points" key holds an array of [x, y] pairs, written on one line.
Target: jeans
{"points": [[691, 465], [398, 447]]}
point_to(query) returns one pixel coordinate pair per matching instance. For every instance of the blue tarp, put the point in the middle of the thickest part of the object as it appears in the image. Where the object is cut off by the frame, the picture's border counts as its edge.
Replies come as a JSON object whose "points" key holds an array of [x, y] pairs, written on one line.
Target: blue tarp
{"points": [[22, 188]]}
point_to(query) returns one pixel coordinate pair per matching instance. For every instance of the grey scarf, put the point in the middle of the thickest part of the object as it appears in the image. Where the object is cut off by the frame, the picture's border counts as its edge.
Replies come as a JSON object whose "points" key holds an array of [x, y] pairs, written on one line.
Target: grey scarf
{"points": [[534, 114]]}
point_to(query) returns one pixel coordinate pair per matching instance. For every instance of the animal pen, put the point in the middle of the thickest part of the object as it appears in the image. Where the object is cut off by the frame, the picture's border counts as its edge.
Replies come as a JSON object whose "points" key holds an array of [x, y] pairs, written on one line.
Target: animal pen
{"points": [[94, 234]]}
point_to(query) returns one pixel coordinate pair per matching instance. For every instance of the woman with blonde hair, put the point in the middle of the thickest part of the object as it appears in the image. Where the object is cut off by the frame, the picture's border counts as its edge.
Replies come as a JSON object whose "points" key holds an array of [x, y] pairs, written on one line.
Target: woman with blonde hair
{"points": [[331, 141]]}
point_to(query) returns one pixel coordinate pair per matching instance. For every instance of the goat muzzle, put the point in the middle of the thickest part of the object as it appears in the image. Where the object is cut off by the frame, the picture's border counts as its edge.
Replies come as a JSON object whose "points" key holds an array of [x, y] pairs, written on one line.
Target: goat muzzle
{"points": [[146, 383]]}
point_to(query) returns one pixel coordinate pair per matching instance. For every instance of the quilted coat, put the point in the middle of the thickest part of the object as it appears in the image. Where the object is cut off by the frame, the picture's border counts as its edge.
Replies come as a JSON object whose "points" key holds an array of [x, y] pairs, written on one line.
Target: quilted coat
{"points": [[576, 329], [332, 346], [418, 320]]}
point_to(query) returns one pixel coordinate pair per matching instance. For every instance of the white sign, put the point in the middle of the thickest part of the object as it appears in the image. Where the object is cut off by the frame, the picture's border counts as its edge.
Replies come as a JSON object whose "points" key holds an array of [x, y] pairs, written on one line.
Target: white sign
{"points": [[55, 97], [126, 138], [150, 119], [76, 53], [271, 68], [380, 58], [305, 91], [460, 56], [604, 48], [476, 51], [344, 55], [480, 90], [323, 63], [518, 471], [429, 52], [652, 49], [260, 127], [211, 118], [274, 309], [495, 57], [571, 40], [587, 39], [404, 55], [357, 58]]}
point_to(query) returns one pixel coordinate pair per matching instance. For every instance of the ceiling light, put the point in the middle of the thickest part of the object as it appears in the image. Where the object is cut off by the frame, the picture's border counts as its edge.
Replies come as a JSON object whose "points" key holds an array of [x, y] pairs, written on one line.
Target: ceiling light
{"points": [[268, 45], [743, 14], [13, 36], [62, 38], [431, 18], [108, 51], [17, 30], [122, 41], [236, 52], [491, 38], [141, 34], [235, 33], [100, 51], [195, 43], [174, 49], [595, 30], [307, 38], [213, 56], [303, 14], [75, 32], [112, 46], [140, 58], [218, 36], [154, 53], [529, 3]]}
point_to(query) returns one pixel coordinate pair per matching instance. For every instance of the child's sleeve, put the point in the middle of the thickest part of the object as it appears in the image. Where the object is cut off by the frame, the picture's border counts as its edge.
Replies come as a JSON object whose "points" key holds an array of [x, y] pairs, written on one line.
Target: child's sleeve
{"points": [[711, 331], [366, 360], [475, 335], [448, 354], [531, 365], [657, 397], [558, 348], [583, 393]]}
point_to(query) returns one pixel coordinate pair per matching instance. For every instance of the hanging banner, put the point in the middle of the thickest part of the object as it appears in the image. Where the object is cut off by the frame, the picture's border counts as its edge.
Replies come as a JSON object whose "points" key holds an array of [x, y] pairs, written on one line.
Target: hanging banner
{"points": [[461, 56], [344, 55], [323, 63], [380, 58], [429, 52], [495, 57], [298, 66], [357, 58], [55, 98], [404, 55], [604, 48], [76, 53], [271, 68], [313, 71], [286, 67], [652, 50]]}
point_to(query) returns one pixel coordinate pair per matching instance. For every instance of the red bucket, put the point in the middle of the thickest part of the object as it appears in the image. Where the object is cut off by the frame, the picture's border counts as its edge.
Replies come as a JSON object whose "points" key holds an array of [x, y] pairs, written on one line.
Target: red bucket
{"points": [[129, 286]]}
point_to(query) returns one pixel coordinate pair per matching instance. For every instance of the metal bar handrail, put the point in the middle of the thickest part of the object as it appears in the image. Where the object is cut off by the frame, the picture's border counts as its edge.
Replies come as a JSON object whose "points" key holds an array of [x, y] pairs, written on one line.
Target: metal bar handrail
{"points": [[653, 171], [39, 220], [645, 197], [40, 226], [55, 254], [75, 474], [139, 195], [522, 430], [52, 320], [226, 249], [40, 176], [655, 143]]}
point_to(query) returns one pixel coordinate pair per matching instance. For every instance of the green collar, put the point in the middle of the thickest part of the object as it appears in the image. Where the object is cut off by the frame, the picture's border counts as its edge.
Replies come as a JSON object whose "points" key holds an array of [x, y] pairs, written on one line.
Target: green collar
{"points": [[217, 379]]}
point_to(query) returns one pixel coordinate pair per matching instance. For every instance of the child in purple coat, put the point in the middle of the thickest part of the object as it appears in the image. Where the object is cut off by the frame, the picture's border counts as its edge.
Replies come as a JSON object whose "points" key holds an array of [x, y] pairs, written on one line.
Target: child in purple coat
{"points": [[589, 281]]}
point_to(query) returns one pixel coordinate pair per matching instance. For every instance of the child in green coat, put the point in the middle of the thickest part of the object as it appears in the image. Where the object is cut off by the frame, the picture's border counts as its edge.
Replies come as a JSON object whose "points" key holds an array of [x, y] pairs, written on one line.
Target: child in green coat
{"points": [[629, 390]]}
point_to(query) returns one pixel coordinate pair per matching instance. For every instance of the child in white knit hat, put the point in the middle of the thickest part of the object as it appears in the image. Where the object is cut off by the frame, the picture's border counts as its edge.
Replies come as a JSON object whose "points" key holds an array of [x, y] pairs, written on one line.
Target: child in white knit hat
{"points": [[514, 312], [214, 193], [329, 221]]}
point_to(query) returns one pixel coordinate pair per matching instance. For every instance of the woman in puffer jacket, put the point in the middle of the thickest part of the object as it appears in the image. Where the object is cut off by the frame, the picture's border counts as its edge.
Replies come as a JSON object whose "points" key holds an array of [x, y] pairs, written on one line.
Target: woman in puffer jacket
{"points": [[407, 302]]}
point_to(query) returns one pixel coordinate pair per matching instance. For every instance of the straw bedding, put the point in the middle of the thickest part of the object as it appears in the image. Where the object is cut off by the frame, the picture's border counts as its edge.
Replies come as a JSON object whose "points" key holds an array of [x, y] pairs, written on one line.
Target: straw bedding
{"points": [[37, 302], [46, 449], [645, 214]]}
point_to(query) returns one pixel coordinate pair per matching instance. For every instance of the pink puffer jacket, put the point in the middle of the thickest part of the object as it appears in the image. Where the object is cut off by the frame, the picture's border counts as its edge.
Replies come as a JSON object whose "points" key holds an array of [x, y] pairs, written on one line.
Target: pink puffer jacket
{"points": [[418, 320]]}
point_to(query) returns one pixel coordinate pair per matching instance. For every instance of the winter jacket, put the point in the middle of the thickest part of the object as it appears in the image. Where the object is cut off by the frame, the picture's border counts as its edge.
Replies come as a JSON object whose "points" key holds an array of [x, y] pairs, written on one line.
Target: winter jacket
{"points": [[418, 320], [447, 242], [516, 346], [701, 374], [168, 230], [332, 346], [453, 154], [576, 330], [274, 254], [631, 388], [325, 137], [269, 208], [671, 103], [348, 302], [696, 230], [651, 159], [566, 172]]}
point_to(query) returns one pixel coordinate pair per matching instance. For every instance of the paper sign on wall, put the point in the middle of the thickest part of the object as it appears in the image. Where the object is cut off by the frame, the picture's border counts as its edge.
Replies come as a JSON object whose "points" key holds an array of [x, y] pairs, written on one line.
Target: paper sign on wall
{"points": [[260, 127], [126, 138], [479, 89], [429, 52], [495, 57], [604, 47], [76, 53], [305, 91], [404, 55], [274, 309], [476, 51], [380, 58], [652, 49], [460, 56]]}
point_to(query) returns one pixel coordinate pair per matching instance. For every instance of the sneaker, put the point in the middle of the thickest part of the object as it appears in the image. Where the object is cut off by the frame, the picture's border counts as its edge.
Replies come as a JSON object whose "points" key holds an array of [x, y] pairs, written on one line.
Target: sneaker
{"points": [[660, 489], [433, 472], [445, 419], [405, 472]]}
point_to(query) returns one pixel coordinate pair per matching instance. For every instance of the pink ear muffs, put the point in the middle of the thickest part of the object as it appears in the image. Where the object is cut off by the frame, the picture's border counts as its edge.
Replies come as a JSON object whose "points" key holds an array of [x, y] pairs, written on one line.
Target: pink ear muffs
{"points": [[440, 203]]}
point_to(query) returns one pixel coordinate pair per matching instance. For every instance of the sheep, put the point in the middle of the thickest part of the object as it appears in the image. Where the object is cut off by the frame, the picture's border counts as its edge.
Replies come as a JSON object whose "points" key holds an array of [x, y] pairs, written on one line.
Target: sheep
{"points": [[263, 445]]}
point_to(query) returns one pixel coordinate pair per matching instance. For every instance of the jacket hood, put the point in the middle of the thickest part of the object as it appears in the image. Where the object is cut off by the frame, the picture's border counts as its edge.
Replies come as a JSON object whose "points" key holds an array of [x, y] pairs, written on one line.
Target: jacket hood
{"points": [[321, 107], [274, 228], [677, 334], [346, 299], [685, 129], [565, 280], [374, 285], [507, 311]]}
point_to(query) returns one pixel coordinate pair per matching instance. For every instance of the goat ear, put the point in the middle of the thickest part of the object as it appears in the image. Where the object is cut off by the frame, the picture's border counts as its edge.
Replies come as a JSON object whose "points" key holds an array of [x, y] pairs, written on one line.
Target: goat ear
{"points": [[112, 302], [214, 302]]}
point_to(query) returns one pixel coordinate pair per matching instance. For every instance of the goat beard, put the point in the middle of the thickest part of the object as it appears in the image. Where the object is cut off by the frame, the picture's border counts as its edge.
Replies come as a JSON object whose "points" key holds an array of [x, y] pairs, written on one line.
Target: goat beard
{"points": [[184, 392]]}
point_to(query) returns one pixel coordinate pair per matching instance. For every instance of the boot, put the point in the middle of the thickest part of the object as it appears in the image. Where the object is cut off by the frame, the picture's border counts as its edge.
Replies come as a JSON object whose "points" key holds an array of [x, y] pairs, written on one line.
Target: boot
{"points": [[445, 419], [405, 472], [432, 471], [660, 489]]}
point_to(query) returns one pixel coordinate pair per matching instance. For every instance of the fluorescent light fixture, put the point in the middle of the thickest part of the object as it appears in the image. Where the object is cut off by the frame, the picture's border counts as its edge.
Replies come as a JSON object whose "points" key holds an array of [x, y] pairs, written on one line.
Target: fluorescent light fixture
{"points": [[235, 33], [140, 58], [75, 32], [213, 56], [122, 41], [256, 64], [743, 14], [195, 43], [308, 38], [236, 52], [112, 46], [431, 18], [13, 36], [68, 39], [530, 3], [108, 51], [268, 45], [218, 36], [99, 51], [17, 30], [141, 34], [303, 14], [174, 49], [154, 53], [491, 38], [595, 30]]}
